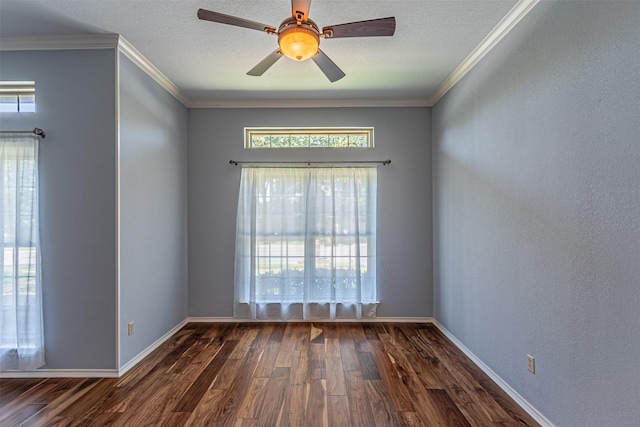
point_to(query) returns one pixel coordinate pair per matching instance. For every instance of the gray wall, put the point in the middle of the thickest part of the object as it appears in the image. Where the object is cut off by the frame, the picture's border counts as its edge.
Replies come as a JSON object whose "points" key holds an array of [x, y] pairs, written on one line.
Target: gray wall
{"points": [[75, 96], [153, 210], [404, 198], [537, 211]]}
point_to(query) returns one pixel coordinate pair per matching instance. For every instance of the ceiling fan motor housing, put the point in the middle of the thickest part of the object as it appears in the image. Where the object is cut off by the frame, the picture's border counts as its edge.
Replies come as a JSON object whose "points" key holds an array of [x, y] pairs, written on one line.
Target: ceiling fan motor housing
{"points": [[298, 40]]}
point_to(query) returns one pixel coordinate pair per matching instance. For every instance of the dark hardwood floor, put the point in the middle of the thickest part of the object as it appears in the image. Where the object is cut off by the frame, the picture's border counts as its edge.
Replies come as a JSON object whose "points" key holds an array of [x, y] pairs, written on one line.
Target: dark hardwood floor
{"points": [[278, 374]]}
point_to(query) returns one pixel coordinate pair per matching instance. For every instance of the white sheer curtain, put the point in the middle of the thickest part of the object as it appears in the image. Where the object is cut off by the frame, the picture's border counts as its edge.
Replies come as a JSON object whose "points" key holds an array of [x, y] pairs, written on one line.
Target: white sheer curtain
{"points": [[21, 330], [306, 243]]}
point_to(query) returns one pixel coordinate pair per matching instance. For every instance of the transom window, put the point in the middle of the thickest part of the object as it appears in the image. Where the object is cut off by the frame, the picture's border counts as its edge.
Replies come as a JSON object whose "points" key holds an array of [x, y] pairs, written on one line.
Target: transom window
{"points": [[308, 137], [17, 97]]}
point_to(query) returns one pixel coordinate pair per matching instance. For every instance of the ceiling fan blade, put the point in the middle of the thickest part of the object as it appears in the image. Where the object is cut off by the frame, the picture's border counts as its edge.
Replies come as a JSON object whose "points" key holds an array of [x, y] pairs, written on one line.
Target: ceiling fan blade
{"points": [[328, 67], [208, 15], [370, 28], [300, 9], [265, 64]]}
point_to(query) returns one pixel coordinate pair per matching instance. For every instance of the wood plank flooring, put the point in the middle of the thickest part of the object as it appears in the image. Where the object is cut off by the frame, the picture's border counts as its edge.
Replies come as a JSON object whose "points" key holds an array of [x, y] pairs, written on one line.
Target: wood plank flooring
{"points": [[278, 374]]}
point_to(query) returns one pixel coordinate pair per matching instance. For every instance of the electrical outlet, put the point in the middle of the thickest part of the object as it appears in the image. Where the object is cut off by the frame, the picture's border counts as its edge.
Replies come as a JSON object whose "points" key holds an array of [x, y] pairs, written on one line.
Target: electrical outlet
{"points": [[130, 328], [531, 364]]}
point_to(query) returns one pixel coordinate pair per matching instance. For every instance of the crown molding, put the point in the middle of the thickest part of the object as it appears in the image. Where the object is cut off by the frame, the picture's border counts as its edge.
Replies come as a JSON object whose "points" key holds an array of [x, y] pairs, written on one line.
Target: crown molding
{"points": [[77, 42], [111, 41], [511, 19], [145, 65], [95, 41], [310, 103]]}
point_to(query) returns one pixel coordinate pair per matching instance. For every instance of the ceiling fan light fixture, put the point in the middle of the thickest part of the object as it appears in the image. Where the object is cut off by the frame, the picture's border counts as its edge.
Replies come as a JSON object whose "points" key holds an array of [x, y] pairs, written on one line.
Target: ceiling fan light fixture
{"points": [[299, 37], [298, 42]]}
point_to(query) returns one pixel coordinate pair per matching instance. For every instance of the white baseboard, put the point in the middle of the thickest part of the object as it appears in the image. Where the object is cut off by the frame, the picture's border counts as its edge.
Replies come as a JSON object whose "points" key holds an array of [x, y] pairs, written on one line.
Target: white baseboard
{"points": [[368, 320], [210, 319], [94, 373], [521, 401], [144, 353], [62, 373]]}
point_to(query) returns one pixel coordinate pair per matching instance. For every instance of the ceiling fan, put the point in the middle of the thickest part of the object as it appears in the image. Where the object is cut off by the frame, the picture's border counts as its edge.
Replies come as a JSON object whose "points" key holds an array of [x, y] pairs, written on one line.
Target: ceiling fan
{"points": [[299, 36]]}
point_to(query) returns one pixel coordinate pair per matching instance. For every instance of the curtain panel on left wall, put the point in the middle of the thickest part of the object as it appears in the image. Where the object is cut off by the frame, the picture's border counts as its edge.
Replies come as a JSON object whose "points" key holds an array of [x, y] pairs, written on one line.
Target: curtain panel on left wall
{"points": [[21, 324]]}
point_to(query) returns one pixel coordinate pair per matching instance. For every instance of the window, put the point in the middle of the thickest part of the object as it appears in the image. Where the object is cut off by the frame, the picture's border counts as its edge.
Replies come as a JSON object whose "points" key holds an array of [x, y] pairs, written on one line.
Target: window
{"points": [[21, 331], [306, 243], [17, 97], [308, 137]]}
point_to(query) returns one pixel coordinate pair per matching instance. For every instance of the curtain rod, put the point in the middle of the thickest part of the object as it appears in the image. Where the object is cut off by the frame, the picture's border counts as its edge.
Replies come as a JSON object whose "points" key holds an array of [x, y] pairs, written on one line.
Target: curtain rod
{"points": [[36, 131], [384, 162]]}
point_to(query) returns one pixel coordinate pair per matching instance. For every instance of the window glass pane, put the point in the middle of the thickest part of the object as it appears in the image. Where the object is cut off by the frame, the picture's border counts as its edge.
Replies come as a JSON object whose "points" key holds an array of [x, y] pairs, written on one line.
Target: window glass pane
{"points": [[8, 104], [260, 141], [296, 250], [358, 140], [278, 141], [339, 140], [299, 140], [319, 141], [27, 103]]}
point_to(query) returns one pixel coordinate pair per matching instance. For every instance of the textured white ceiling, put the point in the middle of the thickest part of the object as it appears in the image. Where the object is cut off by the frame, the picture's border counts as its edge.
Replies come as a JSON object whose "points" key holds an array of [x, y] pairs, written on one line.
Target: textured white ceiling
{"points": [[209, 61]]}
